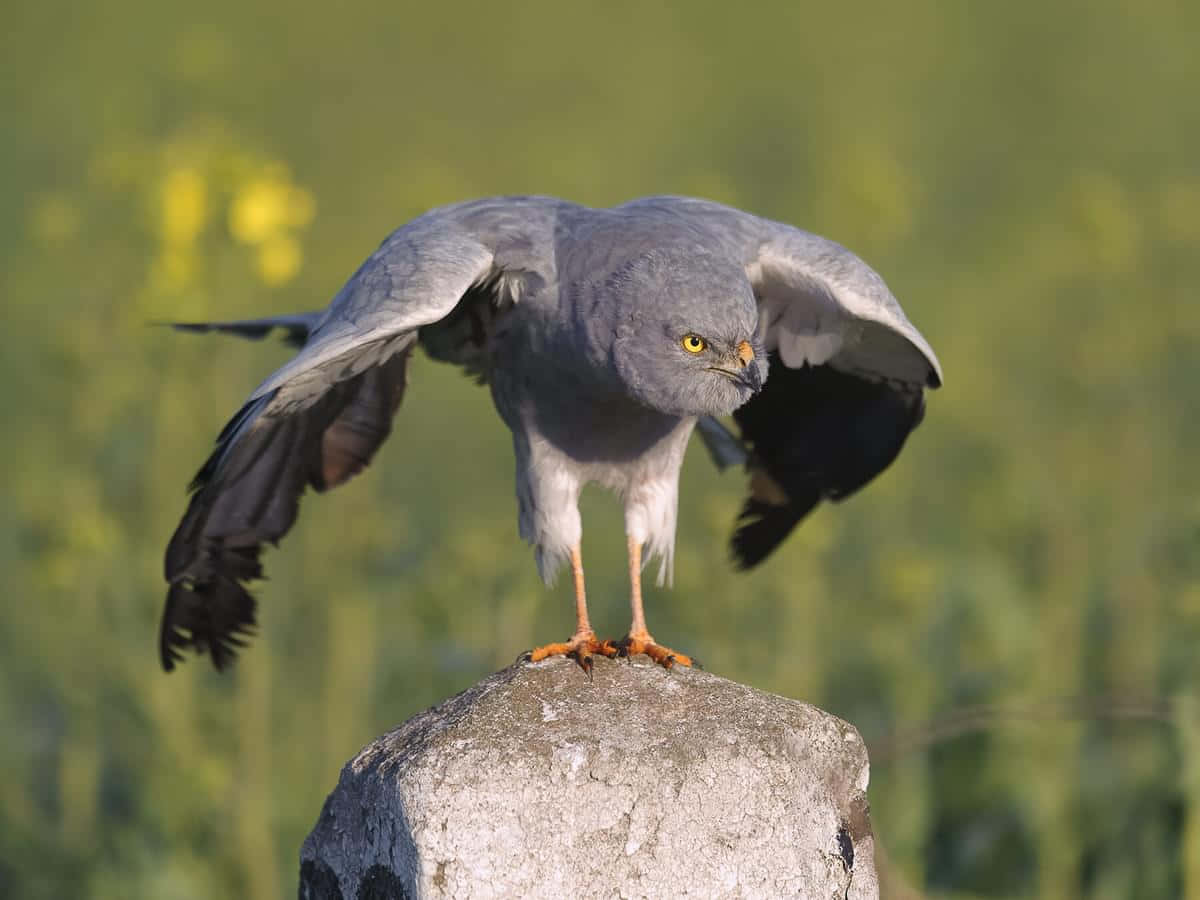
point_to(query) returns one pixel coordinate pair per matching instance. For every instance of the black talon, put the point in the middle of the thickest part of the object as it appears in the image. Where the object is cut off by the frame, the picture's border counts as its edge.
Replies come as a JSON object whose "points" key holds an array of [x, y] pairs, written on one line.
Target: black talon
{"points": [[584, 660]]}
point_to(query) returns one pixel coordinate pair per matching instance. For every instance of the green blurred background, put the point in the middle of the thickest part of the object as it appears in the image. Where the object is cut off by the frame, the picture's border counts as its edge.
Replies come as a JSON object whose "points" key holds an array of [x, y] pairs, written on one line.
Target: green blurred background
{"points": [[1010, 615]]}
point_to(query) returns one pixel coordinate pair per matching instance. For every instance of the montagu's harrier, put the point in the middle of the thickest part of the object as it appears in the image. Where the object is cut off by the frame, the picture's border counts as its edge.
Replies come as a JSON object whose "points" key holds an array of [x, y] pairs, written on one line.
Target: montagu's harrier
{"points": [[606, 336]]}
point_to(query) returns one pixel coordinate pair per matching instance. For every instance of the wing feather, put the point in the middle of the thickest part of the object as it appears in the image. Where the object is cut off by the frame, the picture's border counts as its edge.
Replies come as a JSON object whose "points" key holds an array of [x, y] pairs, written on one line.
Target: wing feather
{"points": [[319, 419], [847, 369], [248, 494], [296, 327], [848, 372], [815, 434]]}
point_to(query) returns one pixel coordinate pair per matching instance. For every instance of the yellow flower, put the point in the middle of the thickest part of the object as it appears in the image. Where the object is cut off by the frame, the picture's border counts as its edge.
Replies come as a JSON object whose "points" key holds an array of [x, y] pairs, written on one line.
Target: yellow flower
{"points": [[279, 259], [184, 206], [266, 205]]}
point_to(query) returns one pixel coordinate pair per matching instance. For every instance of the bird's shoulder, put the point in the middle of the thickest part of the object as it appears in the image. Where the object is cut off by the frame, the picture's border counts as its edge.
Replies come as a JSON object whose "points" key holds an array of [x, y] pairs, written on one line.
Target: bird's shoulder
{"points": [[561, 240]]}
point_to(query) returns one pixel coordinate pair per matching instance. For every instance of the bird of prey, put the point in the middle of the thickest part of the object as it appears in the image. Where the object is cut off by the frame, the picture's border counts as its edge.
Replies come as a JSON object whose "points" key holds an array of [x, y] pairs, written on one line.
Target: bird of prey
{"points": [[606, 336]]}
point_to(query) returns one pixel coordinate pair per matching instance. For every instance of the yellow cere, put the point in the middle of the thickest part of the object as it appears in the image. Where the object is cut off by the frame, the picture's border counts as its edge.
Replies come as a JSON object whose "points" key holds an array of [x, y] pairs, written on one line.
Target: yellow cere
{"points": [[693, 343]]}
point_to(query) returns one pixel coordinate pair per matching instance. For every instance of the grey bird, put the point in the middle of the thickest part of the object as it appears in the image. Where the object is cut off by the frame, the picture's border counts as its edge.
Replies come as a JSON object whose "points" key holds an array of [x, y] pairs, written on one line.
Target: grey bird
{"points": [[607, 336]]}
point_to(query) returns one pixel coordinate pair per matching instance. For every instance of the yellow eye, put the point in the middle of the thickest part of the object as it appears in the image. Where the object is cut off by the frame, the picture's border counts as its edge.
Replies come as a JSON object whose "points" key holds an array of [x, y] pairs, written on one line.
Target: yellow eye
{"points": [[693, 343]]}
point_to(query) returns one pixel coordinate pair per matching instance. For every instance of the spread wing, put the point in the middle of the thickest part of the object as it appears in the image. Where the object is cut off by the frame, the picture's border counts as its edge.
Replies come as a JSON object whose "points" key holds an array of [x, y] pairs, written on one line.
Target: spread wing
{"points": [[848, 373], [847, 378], [319, 419]]}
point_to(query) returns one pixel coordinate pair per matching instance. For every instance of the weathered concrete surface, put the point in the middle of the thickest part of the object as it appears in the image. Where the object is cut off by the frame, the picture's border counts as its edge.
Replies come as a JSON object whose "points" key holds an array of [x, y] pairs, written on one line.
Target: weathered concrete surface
{"points": [[537, 782]]}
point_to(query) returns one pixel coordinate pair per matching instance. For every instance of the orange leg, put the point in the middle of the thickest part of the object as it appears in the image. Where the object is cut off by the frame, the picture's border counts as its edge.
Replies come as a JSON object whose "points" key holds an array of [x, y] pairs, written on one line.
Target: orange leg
{"points": [[582, 643], [639, 639]]}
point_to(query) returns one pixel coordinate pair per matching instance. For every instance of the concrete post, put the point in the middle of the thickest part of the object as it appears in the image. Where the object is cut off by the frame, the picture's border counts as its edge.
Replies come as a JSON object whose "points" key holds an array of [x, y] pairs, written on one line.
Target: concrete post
{"points": [[640, 782]]}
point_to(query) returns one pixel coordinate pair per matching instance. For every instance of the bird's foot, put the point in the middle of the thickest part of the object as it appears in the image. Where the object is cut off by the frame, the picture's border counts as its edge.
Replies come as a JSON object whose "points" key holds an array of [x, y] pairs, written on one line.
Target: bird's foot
{"points": [[633, 644], [581, 647]]}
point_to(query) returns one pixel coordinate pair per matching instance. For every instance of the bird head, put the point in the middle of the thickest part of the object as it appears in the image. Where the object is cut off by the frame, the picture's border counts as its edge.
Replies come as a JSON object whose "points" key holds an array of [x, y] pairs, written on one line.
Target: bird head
{"points": [[686, 339]]}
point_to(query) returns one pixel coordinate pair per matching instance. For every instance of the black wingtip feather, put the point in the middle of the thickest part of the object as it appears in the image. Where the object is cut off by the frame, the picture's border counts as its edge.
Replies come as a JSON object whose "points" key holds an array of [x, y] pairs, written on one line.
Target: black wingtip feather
{"points": [[817, 434], [761, 528], [247, 495], [295, 329], [212, 617]]}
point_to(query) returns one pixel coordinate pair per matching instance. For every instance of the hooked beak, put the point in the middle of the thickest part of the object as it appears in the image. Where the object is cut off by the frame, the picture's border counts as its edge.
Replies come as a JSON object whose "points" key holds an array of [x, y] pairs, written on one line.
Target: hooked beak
{"points": [[745, 374], [751, 375]]}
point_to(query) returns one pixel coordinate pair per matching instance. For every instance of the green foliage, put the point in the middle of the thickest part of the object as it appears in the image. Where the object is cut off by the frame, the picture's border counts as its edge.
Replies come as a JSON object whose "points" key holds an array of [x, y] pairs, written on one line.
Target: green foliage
{"points": [[1023, 175]]}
